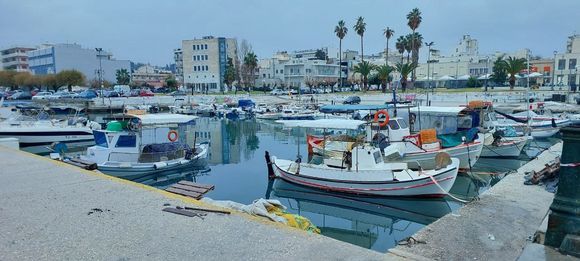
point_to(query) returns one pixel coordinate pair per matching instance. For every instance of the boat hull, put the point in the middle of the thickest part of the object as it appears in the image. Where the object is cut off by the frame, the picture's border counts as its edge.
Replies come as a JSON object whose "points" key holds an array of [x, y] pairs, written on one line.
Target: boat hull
{"points": [[508, 148], [467, 155], [412, 188]]}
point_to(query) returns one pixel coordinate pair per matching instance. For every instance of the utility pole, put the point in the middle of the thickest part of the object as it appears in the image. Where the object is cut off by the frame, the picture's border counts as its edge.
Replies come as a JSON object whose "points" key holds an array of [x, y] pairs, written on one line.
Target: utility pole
{"points": [[487, 74], [428, 76], [554, 71], [99, 51]]}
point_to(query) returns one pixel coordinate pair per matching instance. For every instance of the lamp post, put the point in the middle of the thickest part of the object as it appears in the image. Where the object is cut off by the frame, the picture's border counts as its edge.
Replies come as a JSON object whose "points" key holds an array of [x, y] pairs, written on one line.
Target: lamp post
{"points": [[456, 72], [486, 71], [99, 51], [429, 61], [554, 71]]}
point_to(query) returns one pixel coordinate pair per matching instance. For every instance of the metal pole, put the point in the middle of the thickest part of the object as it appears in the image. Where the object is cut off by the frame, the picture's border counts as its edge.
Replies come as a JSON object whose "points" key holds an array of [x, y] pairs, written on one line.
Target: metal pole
{"points": [[554, 71], [486, 72], [528, 88], [456, 72], [99, 50]]}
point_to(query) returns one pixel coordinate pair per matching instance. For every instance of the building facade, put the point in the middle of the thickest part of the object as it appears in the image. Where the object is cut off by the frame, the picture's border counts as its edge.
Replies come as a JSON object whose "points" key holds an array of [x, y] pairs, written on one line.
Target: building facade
{"points": [[204, 62], [150, 76], [54, 58], [15, 58], [566, 65], [178, 58]]}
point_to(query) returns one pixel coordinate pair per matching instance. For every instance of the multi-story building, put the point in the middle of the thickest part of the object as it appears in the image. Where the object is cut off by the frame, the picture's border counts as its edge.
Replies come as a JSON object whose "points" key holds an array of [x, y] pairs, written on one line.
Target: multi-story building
{"points": [[566, 64], [149, 75], [15, 58], [298, 69], [178, 58], [54, 58], [205, 60]]}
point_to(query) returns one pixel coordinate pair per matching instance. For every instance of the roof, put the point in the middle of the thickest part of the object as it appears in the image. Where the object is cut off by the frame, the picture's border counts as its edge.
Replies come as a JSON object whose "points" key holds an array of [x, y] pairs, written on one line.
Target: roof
{"points": [[453, 111], [163, 118], [351, 108], [324, 124]]}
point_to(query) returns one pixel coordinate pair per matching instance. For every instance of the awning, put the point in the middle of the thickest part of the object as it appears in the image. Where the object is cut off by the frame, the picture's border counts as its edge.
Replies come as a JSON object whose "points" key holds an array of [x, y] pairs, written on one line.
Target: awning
{"points": [[342, 124], [463, 77], [163, 118], [446, 78], [435, 110]]}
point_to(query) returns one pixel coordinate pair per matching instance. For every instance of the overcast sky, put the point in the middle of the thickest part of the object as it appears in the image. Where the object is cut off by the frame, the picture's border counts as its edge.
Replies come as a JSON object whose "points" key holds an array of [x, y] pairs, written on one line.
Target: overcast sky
{"points": [[148, 31]]}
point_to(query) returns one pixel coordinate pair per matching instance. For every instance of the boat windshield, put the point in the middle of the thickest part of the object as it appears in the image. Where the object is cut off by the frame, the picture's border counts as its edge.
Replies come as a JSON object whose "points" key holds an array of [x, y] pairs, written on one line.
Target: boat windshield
{"points": [[393, 125], [100, 139]]}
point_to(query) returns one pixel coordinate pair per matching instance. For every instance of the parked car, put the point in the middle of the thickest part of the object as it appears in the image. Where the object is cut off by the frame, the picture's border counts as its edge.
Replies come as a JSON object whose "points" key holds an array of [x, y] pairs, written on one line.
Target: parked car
{"points": [[178, 93], [352, 100], [305, 90], [277, 92], [87, 94], [20, 96], [60, 95], [133, 93], [42, 96], [161, 90], [146, 93], [111, 94]]}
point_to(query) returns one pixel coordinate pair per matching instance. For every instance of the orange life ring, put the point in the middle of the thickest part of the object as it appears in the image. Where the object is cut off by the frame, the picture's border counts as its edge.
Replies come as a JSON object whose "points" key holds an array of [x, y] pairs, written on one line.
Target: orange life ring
{"points": [[386, 121], [172, 135]]}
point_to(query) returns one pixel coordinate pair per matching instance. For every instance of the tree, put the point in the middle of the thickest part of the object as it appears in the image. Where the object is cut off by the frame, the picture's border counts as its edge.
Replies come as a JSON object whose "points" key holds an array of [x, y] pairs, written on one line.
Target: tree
{"points": [[405, 69], [364, 68], [472, 82], [70, 78], [414, 19], [499, 74], [242, 71], [320, 54], [384, 75], [401, 45], [340, 30], [513, 66], [95, 84], [171, 83], [360, 28], [230, 74], [415, 44], [7, 78], [251, 63], [388, 34], [21, 79], [408, 46], [123, 77]]}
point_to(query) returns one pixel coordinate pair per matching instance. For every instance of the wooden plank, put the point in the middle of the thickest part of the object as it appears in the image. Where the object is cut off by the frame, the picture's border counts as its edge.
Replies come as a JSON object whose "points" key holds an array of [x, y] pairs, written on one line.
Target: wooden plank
{"points": [[209, 210], [186, 193], [190, 188], [189, 183], [183, 212]]}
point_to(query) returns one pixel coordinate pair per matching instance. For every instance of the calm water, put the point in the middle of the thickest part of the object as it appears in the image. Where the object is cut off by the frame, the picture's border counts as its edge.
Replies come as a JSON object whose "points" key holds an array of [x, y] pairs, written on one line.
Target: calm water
{"points": [[237, 168]]}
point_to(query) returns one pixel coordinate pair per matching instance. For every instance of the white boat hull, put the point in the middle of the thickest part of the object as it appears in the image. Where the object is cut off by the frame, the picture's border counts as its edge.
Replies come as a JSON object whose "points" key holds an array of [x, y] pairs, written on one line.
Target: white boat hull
{"points": [[368, 182], [509, 148], [467, 155]]}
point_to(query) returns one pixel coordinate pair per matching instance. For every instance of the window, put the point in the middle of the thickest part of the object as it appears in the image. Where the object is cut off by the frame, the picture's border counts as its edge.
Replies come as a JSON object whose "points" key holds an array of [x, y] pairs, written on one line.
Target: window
{"points": [[276, 71], [206, 46], [378, 157], [206, 67], [572, 64], [561, 64], [195, 58], [126, 141], [402, 123], [195, 68], [100, 139], [206, 57], [281, 71], [393, 125]]}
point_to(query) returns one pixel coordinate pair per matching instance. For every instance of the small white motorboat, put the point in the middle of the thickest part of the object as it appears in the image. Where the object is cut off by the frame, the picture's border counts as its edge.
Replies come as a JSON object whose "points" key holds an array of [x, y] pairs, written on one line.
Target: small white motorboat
{"points": [[496, 146]]}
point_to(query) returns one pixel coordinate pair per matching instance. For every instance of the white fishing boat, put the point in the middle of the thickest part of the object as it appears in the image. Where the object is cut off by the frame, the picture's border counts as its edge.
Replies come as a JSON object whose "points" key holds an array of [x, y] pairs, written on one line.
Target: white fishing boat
{"points": [[37, 132], [501, 147], [363, 171], [149, 144]]}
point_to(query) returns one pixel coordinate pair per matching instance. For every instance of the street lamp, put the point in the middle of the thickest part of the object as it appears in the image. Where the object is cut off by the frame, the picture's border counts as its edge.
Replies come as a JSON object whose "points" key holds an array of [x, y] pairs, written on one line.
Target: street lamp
{"points": [[428, 61], [486, 71], [554, 71], [99, 51]]}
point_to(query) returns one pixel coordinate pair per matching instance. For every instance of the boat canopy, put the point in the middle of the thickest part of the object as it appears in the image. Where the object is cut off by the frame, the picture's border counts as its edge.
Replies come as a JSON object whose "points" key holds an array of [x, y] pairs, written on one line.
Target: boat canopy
{"points": [[439, 111], [351, 108], [324, 124], [163, 118]]}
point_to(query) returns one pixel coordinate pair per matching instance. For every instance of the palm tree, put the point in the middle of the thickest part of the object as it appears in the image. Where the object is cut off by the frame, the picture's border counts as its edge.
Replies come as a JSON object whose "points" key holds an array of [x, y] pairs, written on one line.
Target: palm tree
{"points": [[400, 45], [360, 28], [384, 74], [340, 30], [415, 44], [513, 66], [405, 69], [388, 34], [413, 21], [251, 62], [408, 46], [364, 68]]}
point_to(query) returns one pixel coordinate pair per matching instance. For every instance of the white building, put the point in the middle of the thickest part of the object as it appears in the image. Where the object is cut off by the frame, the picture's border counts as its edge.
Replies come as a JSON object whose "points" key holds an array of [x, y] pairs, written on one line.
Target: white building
{"points": [[566, 64], [54, 58], [15, 58], [298, 69], [178, 58], [205, 60]]}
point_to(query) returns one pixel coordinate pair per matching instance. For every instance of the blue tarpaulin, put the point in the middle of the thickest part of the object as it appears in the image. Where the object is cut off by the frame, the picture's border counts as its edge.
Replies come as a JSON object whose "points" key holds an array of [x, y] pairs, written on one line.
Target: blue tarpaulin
{"points": [[454, 139]]}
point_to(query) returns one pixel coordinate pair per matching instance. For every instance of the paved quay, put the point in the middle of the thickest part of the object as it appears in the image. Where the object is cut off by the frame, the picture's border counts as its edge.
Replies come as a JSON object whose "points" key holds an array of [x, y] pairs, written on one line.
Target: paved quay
{"points": [[53, 211], [496, 227]]}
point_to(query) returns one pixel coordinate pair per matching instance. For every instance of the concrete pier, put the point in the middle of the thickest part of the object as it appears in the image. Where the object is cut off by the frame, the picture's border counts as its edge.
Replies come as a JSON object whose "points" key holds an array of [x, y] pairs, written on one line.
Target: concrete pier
{"points": [[496, 227], [53, 211]]}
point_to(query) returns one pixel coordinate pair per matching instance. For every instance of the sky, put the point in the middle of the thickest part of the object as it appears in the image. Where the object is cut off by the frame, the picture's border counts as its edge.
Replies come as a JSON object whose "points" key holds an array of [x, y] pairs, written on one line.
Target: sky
{"points": [[148, 31]]}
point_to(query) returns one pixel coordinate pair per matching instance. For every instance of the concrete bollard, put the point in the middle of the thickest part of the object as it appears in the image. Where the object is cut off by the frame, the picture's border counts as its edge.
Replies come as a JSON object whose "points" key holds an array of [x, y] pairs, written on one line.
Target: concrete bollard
{"points": [[564, 221]]}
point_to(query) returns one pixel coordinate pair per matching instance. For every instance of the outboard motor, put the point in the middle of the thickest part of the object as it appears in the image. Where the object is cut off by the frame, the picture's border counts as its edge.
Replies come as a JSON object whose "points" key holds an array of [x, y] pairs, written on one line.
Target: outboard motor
{"points": [[380, 140], [497, 135]]}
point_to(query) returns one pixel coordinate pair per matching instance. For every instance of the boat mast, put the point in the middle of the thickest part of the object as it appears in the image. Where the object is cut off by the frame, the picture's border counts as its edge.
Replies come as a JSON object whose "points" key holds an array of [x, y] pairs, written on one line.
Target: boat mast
{"points": [[528, 89]]}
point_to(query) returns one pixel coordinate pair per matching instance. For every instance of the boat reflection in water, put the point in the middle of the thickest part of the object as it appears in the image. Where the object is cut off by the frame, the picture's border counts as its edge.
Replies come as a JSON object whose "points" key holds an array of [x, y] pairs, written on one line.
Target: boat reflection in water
{"points": [[368, 221], [165, 179]]}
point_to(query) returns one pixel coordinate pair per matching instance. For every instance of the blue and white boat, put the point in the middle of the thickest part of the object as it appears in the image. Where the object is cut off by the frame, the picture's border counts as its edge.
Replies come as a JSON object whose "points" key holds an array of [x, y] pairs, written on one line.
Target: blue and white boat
{"points": [[135, 146]]}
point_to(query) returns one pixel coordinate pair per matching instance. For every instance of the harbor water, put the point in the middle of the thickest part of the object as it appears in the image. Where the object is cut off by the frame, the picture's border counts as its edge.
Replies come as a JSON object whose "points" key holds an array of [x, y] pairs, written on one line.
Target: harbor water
{"points": [[237, 168]]}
